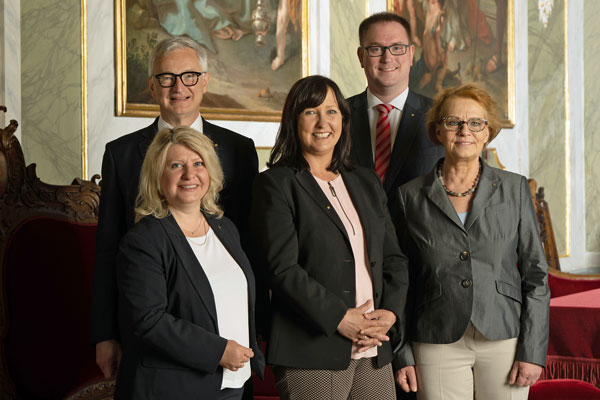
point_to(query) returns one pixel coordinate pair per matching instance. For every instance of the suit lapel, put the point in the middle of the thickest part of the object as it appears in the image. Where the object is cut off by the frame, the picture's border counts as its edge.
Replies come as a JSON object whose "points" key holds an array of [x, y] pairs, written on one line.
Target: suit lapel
{"points": [[489, 182], [360, 125], [190, 264], [408, 129], [434, 191], [233, 247], [310, 185], [147, 136], [209, 130]]}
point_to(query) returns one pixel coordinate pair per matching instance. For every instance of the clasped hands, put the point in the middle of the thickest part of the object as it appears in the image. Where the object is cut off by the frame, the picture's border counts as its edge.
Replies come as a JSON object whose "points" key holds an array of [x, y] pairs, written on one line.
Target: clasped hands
{"points": [[366, 329]]}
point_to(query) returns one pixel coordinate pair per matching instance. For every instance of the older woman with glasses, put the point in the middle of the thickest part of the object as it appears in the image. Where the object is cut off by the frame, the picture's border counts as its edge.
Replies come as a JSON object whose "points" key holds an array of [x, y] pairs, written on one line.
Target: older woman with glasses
{"points": [[478, 299]]}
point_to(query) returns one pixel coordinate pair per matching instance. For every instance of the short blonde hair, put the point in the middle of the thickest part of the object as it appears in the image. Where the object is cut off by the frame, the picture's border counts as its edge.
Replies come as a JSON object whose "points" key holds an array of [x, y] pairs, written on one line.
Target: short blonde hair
{"points": [[466, 91], [151, 199]]}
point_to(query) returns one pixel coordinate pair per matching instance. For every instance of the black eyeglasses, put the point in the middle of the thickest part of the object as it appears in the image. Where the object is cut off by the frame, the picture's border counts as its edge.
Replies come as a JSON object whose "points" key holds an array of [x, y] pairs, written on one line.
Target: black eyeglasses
{"points": [[188, 78], [395, 50], [455, 123]]}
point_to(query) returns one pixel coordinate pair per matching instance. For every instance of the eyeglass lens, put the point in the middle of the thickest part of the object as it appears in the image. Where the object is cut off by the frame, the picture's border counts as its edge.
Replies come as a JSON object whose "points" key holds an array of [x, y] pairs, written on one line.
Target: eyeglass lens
{"points": [[395, 50], [187, 78], [474, 124]]}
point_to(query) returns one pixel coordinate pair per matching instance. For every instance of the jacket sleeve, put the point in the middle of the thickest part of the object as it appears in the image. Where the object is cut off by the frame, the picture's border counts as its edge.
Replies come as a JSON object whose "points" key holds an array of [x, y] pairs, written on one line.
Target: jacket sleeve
{"points": [[533, 267], [143, 292], [111, 228], [273, 220], [403, 354]]}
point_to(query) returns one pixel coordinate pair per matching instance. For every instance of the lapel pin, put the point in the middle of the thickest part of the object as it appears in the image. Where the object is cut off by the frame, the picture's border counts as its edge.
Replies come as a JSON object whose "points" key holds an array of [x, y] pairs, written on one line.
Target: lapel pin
{"points": [[412, 114], [216, 144]]}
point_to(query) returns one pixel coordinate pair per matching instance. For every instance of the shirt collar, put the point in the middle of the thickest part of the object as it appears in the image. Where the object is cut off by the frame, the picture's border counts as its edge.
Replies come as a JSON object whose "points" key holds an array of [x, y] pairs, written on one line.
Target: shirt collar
{"points": [[398, 102], [197, 124]]}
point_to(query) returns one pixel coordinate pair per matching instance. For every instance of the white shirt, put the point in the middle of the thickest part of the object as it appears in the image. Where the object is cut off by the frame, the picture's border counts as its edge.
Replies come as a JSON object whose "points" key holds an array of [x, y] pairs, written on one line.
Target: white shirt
{"points": [[394, 116], [197, 124], [230, 290]]}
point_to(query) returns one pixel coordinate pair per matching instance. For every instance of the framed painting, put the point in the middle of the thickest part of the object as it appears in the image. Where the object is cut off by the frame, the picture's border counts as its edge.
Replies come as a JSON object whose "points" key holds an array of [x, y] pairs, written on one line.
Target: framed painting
{"points": [[256, 50], [462, 41]]}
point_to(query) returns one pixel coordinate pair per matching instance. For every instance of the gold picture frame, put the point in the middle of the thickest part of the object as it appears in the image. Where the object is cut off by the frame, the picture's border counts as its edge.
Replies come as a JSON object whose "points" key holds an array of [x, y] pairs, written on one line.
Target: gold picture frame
{"points": [[243, 84], [464, 33]]}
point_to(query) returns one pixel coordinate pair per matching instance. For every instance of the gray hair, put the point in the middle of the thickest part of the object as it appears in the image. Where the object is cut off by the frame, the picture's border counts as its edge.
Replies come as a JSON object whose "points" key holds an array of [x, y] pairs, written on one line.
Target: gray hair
{"points": [[165, 46]]}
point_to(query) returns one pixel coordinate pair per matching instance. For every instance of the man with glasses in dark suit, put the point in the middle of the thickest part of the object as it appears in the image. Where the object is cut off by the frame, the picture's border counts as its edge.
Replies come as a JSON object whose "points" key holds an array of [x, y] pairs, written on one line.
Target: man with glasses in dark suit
{"points": [[178, 79], [388, 120]]}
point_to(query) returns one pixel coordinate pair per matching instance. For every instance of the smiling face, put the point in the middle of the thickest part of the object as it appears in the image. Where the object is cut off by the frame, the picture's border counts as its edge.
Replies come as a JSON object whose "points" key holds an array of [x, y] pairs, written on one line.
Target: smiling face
{"points": [[185, 179], [462, 144], [180, 104], [387, 76], [320, 128]]}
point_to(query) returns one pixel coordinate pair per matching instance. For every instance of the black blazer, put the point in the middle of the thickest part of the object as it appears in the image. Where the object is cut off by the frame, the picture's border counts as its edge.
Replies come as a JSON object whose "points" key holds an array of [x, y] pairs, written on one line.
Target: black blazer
{"points": [[310, 266], [167, 313], [413, 153], [121, 167], [492, 270]]}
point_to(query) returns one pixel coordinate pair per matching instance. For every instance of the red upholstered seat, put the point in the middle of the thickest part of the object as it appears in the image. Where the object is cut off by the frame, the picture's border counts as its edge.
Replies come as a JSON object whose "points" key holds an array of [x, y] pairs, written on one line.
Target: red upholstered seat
{"points": [[563, 389], [265, 389], [47, 238], [562, 284], [48, 289]]}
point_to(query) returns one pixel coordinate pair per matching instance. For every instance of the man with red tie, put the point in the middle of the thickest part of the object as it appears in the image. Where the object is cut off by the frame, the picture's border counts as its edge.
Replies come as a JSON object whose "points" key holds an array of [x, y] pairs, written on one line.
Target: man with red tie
{"points": [[388, 119]]}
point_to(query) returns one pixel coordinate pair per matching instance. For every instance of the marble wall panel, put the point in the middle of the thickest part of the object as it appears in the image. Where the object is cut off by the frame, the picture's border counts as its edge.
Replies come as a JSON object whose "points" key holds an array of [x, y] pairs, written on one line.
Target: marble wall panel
{"points": [[591, 55], [345, 68], [51, 88], [547, 113]]}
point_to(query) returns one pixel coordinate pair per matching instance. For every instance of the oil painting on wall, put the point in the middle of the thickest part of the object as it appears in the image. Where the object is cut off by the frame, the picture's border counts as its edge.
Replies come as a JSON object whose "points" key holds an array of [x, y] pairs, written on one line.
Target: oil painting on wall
{"points": [[256, 50], [461, 41]]}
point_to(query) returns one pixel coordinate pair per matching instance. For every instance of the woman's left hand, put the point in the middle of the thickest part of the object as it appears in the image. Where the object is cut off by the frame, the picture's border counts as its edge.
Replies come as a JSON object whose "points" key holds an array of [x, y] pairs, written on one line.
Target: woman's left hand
{"points": [[379, 323], [524, 373]]}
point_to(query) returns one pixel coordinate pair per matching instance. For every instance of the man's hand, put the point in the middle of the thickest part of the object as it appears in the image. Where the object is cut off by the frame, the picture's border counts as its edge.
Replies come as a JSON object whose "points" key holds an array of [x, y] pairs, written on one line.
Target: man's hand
{"points": [[235, 356], [108, 357], [406, 378], [524, 374]]}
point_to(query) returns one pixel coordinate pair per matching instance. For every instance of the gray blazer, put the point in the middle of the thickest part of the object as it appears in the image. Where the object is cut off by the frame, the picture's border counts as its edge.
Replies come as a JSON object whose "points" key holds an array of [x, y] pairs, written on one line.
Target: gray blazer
{"points": [[491, 271]]}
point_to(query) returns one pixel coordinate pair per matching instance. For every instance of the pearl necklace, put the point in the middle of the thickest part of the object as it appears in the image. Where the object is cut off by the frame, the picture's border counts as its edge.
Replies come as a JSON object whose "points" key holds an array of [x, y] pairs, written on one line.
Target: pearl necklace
{"points": [[455, 194]]}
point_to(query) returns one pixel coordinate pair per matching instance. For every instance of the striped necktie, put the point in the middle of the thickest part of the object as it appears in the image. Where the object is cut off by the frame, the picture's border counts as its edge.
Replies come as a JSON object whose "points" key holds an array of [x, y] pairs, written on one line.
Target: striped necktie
{"points": [[383, 142]]}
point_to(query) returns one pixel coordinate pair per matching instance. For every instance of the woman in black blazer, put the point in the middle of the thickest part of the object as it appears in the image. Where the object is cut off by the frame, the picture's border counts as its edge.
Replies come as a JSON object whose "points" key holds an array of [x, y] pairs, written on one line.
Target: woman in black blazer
{"points": [[337, 276], [479, 298], [186, 289]]}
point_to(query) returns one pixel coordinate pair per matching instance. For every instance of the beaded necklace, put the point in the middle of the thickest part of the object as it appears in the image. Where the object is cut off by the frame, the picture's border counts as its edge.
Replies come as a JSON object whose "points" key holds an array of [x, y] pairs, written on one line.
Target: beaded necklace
{"points": [[455, 194]]}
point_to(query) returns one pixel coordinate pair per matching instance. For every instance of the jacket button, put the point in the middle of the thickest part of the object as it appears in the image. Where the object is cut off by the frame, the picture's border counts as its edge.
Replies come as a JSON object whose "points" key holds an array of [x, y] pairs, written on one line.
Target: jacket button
{"points": [[464, 256], [373, 263], [376, 295], [466, 283]]}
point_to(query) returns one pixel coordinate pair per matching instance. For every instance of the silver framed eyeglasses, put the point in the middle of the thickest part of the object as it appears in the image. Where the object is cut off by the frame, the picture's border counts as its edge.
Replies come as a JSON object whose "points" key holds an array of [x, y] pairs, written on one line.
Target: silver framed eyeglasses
{"points": [[188, 78], [455, 123], [395, 50]]}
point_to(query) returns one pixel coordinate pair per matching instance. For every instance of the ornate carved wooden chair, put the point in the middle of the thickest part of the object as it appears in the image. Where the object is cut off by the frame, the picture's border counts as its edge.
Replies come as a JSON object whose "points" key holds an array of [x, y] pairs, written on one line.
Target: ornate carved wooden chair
{"points": [[47, 239], [561, 283]]}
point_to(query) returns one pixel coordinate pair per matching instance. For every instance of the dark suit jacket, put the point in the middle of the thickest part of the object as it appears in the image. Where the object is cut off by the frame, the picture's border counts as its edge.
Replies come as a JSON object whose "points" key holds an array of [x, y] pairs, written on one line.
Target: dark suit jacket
{"points": [[310, 265], [121, 167], [168, 317], [413, 153], [492, 270]]}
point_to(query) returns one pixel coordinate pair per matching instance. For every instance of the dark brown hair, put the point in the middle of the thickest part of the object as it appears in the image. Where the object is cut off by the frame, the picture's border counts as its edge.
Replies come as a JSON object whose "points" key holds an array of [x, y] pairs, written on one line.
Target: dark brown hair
{"points": [[381, 17], [306, 93]]}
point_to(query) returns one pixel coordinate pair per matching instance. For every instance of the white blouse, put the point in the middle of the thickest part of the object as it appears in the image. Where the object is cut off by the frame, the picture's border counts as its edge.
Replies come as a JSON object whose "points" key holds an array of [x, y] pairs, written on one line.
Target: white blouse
{"points": [[230, 291]]}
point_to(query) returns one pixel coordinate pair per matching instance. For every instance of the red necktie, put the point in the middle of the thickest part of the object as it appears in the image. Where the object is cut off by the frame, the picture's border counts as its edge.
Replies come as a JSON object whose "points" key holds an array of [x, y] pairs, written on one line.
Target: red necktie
{"points": [[383, 143]]}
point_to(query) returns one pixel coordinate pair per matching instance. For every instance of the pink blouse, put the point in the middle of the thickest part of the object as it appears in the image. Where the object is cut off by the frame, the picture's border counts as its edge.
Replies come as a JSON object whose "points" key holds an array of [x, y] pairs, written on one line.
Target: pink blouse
{"points": [[338, 196]]}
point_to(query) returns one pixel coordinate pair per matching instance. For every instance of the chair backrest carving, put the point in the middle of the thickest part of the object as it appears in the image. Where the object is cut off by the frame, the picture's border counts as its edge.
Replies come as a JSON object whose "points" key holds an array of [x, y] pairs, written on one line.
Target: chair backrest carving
{"points": [[47, 236], [545, 225]]}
